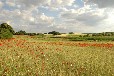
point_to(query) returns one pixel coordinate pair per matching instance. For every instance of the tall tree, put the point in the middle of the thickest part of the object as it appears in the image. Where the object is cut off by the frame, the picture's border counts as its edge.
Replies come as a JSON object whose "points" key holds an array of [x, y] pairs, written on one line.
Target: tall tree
{"points": [[6, 31], [6, 26]]}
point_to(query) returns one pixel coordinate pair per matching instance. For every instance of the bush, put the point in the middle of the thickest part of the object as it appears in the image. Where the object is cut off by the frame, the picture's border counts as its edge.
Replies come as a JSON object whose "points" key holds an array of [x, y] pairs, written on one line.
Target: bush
{"points": [[21, 32], [5, 33], [6, 26], [71, 33], [54, 33]]}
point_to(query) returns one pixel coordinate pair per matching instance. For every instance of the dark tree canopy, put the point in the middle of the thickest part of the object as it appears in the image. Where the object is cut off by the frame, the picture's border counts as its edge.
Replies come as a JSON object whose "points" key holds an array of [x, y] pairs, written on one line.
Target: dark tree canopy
{"points": [[6, 26], [21, 32], [6, 31], [54, 33], [71, 33]]}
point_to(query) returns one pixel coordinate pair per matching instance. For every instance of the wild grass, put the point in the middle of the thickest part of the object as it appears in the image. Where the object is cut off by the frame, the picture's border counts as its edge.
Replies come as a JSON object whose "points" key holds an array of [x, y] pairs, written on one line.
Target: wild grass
{"points": [[28, 56]]}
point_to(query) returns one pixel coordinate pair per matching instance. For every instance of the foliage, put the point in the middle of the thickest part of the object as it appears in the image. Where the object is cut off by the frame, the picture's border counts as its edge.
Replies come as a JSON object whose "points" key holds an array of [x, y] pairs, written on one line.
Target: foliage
{"points": [[102, 34], [31, 34], [45, 33], [92, 38], [21, 32], [54, 33], [6, 26], [6, 31], [71, 33]]}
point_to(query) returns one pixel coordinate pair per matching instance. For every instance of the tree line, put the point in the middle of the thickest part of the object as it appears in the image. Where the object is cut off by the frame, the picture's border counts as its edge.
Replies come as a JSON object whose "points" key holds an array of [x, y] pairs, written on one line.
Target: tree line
{"points": [[6, 31]]}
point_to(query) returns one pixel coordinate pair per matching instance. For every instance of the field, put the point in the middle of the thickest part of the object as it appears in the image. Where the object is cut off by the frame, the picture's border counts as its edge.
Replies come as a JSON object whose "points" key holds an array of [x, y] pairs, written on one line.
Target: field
{"points": [[32, 56]]}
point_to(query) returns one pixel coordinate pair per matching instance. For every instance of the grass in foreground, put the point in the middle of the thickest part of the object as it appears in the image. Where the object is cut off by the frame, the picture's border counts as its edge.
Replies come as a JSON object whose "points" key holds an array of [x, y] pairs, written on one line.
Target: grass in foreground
{"points": [[25, 56]]}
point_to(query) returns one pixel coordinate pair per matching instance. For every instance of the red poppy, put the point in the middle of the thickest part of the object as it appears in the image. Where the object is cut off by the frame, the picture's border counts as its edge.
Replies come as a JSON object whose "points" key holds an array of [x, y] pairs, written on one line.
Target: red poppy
{"points": [[0, 44]]}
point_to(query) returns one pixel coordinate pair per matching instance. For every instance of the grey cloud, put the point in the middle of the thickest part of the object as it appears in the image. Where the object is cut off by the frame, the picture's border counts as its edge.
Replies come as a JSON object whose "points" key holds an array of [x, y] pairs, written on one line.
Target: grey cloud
{"points": [[88, 18], [51, 3], [103, 3], [26, 16], [29, 3]]}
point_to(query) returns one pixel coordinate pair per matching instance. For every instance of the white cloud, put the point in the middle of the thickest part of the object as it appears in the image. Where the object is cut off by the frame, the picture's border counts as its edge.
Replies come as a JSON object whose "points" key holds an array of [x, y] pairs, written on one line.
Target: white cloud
{"points": [[27, 4], [60, 15], [85, 15], [1, 4], [59, 3], [30, 3], [10, 3], [19, 19], [87, 19]]}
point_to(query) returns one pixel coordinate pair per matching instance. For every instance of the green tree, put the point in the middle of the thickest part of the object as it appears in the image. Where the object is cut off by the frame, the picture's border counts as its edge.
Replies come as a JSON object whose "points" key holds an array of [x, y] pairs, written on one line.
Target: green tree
{"points": [[6, 26], [71, 33], [5, 33], [54, 33], [21, 32], [32, 34]]}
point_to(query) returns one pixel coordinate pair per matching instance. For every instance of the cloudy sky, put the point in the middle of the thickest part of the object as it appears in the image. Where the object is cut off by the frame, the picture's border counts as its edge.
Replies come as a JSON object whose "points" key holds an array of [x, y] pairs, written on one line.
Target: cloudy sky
{"points": [[59, 15]]}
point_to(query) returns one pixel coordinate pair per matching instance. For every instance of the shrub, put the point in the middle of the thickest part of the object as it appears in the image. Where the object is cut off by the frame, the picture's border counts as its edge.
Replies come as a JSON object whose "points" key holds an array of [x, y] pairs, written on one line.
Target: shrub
{"points": [[71, 33], [54, 33], [21, 32], [5, 33], [6, 26]]}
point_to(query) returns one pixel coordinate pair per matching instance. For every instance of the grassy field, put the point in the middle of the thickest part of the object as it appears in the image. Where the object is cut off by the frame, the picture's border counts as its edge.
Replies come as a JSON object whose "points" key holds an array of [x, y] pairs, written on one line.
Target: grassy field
{"points": [[32, 56]]}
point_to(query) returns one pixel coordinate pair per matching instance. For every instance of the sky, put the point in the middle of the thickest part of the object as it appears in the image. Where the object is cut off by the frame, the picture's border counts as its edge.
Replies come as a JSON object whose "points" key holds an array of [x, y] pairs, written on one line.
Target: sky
{"points": [[41, 16]]}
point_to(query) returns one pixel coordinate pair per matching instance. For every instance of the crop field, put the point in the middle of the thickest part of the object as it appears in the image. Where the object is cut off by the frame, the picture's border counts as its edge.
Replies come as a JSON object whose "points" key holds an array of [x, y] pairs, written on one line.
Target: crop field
{"points": [[29, 56]]}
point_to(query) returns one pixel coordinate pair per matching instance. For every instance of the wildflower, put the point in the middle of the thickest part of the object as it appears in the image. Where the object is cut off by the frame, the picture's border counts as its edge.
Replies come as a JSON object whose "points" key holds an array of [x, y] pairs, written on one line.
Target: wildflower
{"points": [[0, 44]]}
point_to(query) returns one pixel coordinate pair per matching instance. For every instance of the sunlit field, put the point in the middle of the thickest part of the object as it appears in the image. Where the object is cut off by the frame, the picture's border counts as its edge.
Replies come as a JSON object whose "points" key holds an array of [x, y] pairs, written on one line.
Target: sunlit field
{"points": [[31, 56]]}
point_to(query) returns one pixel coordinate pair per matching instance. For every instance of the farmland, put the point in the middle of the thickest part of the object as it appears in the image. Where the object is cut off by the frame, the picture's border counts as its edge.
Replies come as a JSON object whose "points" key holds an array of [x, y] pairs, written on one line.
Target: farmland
{"points": [[35, 56]]}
